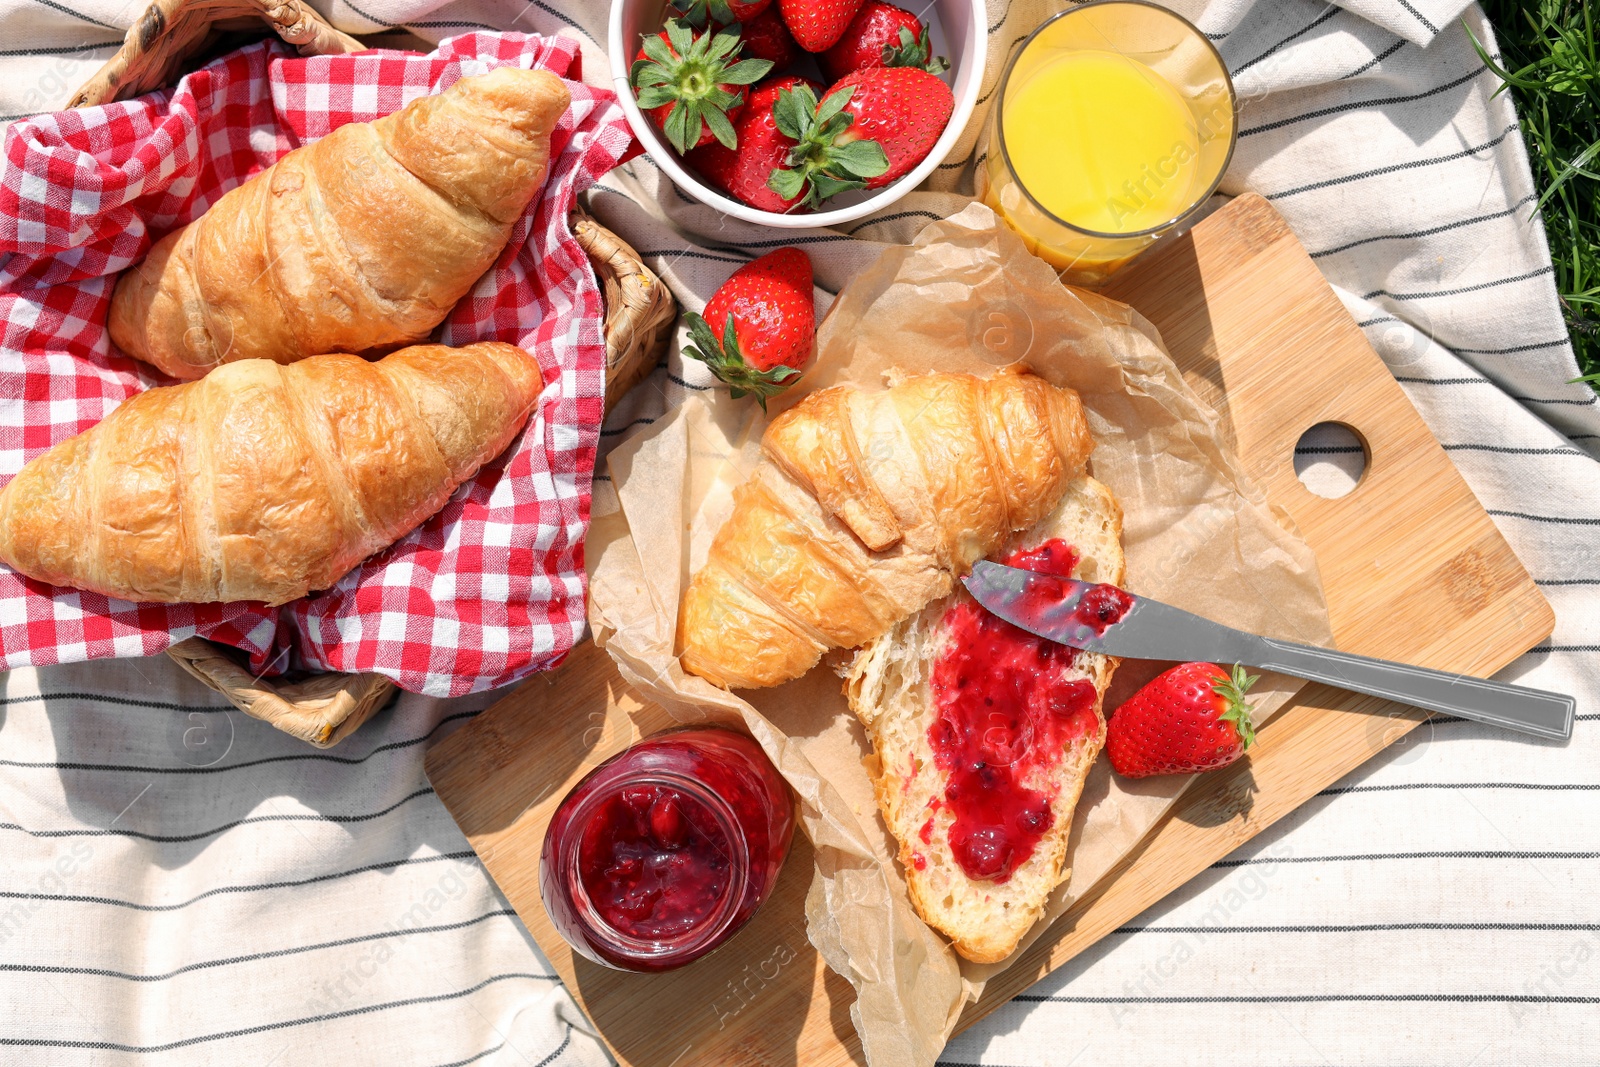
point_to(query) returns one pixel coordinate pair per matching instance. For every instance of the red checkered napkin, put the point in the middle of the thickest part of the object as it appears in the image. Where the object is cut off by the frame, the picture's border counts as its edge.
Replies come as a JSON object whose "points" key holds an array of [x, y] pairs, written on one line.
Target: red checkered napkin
{"points": [[487, 591]]}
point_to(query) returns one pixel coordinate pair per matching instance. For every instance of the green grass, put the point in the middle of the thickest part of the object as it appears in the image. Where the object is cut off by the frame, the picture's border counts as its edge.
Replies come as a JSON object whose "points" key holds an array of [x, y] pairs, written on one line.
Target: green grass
{"points": [[1552, 69]]}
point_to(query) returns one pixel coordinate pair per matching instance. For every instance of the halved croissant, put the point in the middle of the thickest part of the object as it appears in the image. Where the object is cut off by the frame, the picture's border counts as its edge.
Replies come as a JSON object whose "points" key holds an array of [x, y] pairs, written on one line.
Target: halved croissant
{"points": [[1046, 745], [866, 506], [263, 482], [364, 240]]}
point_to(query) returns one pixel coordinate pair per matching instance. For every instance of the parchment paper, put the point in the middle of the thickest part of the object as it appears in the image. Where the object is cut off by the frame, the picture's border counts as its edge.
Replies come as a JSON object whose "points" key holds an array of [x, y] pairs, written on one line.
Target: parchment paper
{"points": [[965, 297]]}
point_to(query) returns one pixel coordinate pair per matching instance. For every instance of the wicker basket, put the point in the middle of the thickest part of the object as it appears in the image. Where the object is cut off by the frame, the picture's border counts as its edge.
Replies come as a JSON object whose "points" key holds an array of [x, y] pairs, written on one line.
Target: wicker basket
{"points": [[174, 35]]}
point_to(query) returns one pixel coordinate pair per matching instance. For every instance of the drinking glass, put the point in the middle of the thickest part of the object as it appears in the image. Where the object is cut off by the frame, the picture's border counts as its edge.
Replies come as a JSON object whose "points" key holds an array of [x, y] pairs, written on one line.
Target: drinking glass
{"points": [[1114, 123]]}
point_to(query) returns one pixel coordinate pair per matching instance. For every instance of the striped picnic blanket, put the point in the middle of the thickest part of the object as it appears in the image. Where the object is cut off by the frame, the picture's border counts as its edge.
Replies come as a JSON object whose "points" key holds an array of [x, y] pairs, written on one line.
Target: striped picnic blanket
{"points": [[184, 885]]}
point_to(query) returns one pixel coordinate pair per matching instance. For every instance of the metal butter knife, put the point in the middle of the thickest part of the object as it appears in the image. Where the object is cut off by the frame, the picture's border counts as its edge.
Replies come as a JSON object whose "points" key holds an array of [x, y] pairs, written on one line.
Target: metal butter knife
{"points": [[1107, 620]]}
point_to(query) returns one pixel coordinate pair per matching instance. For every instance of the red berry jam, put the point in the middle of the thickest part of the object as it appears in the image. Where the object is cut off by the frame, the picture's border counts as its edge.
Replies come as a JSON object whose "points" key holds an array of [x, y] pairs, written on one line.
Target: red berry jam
{"points": [[654, 862], [1054, 556], [1101, 606], [1097, 609], [662, 853], [1006, 714]]}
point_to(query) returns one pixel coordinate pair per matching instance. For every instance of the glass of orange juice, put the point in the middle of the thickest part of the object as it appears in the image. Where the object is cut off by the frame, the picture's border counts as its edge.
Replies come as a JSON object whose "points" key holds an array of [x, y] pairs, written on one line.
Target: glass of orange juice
{"points": [[1114, 123]]}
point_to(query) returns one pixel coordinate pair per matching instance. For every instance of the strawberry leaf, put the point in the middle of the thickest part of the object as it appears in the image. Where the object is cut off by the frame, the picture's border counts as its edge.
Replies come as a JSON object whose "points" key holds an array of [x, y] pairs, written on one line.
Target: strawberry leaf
{"points": [[865, 159], [727, 363], [679, 133], [792, 110], [721, 128], [826, 185], [681, 36], [724, 44], [653, 96], [1233, 690], [825, 163], [658, 51], [786, 183], [694, 76], [746, 72], [695, 14], [644, 72], [700, 333], [834, 103], [698, 13], [913, 52], [831, 129]]}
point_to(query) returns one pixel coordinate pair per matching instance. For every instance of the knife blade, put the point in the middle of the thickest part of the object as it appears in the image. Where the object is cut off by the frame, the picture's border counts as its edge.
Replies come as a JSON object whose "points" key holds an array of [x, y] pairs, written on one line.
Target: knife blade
{"points": [[1111, 621]]}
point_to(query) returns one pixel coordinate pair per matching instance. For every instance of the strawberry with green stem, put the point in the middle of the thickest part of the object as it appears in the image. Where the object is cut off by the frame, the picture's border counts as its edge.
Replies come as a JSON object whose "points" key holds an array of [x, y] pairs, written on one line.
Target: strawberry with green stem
{"points": [[700, 13], [881, 35], [768, 326], [689, 83], [823, 161], [895, 117], [743, 173], [1191, 718]]}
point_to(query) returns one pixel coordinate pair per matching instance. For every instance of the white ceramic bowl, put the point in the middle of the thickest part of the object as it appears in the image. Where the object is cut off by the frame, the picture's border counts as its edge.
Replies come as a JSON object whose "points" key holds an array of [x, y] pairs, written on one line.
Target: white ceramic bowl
{"points": [[957, 31]]}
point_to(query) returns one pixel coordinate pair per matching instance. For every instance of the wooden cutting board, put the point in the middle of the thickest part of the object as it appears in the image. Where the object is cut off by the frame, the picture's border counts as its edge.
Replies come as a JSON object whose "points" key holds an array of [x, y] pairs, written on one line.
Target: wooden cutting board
{"points": [[1413, 568]]}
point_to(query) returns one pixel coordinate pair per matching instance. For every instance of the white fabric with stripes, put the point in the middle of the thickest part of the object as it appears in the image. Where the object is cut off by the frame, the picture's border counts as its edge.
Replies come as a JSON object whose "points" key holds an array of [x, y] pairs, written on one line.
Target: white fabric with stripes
{"points": [[170, 895]]}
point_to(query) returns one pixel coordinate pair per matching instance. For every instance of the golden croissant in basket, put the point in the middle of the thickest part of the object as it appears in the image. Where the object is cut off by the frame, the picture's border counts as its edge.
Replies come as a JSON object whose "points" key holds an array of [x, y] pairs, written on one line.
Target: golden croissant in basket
{"points": [[868, 505], [364, 240], [263, 482]]}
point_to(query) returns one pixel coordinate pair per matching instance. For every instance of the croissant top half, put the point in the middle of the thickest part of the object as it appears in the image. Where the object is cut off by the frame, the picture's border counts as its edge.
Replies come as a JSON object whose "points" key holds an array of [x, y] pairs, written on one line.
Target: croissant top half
{"points": [[868, 505], [364, 240]]}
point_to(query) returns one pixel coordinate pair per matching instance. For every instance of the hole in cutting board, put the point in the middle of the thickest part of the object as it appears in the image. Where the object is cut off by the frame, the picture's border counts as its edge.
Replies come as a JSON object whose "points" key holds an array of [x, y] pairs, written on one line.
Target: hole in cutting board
{"points": [[1330, 459]]}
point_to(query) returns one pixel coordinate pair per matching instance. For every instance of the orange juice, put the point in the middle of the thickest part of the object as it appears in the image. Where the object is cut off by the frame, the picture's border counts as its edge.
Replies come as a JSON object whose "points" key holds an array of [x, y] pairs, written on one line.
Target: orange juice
{"points": [[1114, 121], [1103, 142]]}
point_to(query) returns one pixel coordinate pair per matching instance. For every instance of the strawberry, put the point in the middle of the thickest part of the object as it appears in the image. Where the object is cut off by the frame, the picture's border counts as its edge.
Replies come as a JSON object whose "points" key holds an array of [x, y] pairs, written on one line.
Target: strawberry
{"points": [[902, 108], [817, 25], [881, 35], [896, 115], [1191, 718], [743, 173], [688, 82], [768, 324], [699, 13], [766, 37]]}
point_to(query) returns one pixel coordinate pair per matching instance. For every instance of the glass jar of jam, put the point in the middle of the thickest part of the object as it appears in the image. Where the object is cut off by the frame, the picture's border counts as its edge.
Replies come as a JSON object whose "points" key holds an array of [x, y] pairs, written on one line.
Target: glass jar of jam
{"points": [[663, 852]]}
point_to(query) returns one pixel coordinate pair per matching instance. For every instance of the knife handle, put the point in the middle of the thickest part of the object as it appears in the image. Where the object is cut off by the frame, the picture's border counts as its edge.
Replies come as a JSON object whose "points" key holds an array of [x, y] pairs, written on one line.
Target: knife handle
{"points": [[1514, 707]]}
